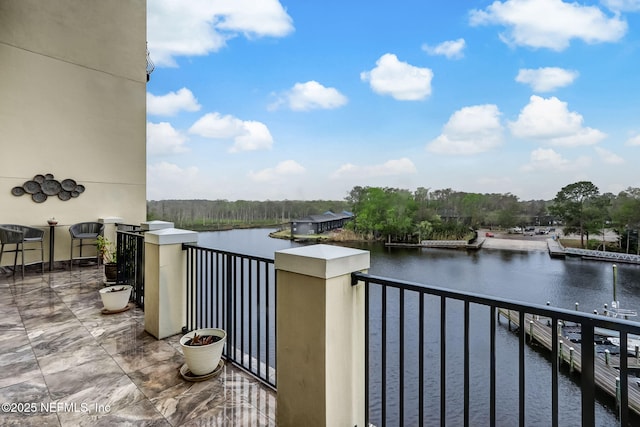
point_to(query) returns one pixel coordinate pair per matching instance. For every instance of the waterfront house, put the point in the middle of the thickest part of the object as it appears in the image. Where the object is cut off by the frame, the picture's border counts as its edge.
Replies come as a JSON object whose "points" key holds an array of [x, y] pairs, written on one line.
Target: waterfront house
{"points": [[317, 224]]}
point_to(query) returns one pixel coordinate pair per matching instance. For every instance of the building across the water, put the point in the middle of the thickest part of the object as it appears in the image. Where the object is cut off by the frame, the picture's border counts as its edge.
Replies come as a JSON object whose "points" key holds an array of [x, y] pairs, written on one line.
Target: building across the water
{"points": [[317, 224]]}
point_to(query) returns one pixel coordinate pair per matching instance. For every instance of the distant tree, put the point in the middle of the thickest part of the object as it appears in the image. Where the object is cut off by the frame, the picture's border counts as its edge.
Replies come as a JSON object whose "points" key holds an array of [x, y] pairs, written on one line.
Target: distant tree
{"points": [[596, 214], [575, 206], [383, 212], [625, 215]]}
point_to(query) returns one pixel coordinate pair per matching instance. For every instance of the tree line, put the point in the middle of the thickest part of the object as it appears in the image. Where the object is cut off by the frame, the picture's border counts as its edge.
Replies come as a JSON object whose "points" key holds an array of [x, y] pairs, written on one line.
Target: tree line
{"points": [[401, 215], [223, 214], [396, 214]]}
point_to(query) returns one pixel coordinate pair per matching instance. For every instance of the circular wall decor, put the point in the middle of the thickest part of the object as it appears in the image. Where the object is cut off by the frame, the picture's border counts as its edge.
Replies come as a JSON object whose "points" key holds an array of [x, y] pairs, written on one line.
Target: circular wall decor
{"points": [[31, 187], [51, 187], [39, 197], [17, 191], [42, 186], [68, 184]]}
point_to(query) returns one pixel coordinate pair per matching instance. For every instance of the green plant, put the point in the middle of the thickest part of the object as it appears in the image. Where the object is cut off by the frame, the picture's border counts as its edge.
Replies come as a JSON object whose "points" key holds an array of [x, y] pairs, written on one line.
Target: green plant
{"points": [[107, 250]]}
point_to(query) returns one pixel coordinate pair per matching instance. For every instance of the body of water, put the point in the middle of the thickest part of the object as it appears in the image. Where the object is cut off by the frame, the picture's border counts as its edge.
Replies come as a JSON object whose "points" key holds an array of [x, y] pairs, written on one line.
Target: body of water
{"points": [[531, 277]]}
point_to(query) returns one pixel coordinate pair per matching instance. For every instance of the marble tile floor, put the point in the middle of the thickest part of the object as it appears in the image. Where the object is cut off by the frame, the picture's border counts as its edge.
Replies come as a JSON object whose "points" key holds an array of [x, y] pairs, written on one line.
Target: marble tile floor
{"points": [[64, 363]]}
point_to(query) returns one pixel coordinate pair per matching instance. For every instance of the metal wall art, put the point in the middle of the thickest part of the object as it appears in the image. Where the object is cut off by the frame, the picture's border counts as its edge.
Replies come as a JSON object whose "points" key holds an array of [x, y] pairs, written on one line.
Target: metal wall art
{"points": [[43, 186]]}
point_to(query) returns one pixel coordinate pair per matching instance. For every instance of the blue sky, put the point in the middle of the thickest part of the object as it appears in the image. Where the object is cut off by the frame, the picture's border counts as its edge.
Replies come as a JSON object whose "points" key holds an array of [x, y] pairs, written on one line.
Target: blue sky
{"points": [[273, 100]]}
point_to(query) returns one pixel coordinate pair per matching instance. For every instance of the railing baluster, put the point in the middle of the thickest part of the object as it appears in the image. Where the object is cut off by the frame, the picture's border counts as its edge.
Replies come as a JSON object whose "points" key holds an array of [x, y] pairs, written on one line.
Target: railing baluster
{"points": [[588, 374], [383, 343], [554, 372], [401, 357], [624, 380], [242, 325], [421, 360], [466, 363], [258, 354], [492, 368], [251, 318], [521, 382], [443, 362], [266, 319], [367, 350]]}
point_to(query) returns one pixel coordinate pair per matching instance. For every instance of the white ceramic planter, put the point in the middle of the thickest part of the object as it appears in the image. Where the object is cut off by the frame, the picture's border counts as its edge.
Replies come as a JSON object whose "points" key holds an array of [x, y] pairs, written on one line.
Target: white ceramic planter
{"points": [[203, 359], [113, 301]]}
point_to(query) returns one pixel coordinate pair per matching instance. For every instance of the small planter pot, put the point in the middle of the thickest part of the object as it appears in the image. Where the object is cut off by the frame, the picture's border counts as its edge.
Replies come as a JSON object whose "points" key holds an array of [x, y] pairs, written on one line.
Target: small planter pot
{"points": [[115, 297], [203, 359], [111, 272]]}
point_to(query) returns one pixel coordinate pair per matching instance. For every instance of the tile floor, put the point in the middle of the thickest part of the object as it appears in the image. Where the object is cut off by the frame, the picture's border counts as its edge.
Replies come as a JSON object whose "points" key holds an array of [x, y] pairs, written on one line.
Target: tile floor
{"points": [[64, 363]]}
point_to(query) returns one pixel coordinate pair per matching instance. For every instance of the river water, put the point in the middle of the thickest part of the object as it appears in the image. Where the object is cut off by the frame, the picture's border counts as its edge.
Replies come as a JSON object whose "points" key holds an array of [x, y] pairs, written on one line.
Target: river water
{"points": [[531, 277]]}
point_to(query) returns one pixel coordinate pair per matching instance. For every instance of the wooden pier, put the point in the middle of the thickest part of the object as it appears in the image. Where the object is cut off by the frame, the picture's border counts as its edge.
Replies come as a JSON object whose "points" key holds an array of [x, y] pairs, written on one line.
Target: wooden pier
{"points": [[556, 250], [605, 374]]}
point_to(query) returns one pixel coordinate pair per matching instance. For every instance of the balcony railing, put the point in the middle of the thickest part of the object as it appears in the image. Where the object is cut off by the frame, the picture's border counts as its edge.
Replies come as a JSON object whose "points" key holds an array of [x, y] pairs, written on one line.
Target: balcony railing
{"points": [[236, 293], [421, 339], [130, 260], [432, 355]]}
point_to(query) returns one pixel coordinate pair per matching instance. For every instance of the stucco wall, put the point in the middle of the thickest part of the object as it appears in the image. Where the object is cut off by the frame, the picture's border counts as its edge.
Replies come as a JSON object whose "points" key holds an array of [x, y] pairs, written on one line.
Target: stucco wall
{"points": [[73, 104]]}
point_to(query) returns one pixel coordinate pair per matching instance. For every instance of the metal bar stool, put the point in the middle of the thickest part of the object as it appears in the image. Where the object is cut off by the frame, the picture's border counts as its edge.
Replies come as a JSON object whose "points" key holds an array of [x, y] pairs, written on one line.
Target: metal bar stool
{"points": [[21, 235], [84, 231]]}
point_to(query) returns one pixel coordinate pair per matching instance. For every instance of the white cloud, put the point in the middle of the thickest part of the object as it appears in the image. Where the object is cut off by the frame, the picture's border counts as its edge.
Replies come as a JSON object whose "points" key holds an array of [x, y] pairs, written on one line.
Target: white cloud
{"points": [[172, 103], [634, 141], [403, 166], [283, 169], [550, 24], [622, 5], [310, 96], [167, 180], [548, 159], [246, 135], [470, 130], [550, 120], [400, 80], [452, 49], [198, 27], [163, 139], [546, 79], [609, 157]]}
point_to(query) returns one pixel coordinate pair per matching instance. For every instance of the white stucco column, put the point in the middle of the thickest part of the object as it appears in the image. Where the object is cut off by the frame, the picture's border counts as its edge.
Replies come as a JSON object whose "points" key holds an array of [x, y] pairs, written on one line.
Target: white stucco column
{"points": [[110, 226], [320, 339], [165, 277]]}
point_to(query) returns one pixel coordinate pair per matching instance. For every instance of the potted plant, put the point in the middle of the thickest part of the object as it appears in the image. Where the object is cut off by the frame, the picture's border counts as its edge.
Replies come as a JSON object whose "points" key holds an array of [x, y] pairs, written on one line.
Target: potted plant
{"points": [[108, 253], [115, 298], [202, 350]]}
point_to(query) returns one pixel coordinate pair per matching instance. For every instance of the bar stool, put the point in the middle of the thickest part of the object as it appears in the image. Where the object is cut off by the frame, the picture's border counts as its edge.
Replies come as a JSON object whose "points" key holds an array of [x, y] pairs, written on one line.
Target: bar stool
{"points": [[85, 231], [23, 237]]}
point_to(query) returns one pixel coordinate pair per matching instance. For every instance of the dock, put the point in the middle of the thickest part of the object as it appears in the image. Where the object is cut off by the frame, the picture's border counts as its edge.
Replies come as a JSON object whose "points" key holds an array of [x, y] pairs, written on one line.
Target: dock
{"points": [[605, 374], [441, 244], [556, 250]]}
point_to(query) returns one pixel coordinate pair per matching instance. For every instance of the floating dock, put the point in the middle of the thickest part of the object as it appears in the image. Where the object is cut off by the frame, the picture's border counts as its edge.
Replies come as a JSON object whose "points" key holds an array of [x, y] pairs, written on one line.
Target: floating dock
{"points": [[440, 244], [556, 250], [605, 373]]}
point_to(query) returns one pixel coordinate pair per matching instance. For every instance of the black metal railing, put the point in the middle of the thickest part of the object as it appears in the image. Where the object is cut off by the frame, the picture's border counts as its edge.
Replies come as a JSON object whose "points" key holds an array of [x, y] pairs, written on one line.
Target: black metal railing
{"points": [[431, 359], [130, 260], [237, 293]]}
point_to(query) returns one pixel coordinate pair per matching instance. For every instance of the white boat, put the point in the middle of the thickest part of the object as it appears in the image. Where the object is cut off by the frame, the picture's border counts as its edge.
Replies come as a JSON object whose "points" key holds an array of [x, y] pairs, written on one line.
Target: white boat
{"points": [[633, 343]]}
